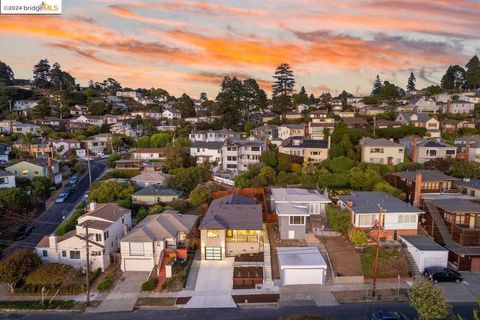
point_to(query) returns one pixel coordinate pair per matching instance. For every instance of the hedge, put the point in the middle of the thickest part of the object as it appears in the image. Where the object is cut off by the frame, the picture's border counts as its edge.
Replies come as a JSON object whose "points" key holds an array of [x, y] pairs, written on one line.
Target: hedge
{"points": [[107, 282], [69, 224], [150, 284]]}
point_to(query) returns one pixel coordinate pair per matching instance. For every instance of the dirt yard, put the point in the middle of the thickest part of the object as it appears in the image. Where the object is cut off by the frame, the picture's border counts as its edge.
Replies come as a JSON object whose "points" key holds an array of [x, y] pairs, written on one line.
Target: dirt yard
{"points": [[344, 257], [359, 296], [391, 263], [275, 242]]}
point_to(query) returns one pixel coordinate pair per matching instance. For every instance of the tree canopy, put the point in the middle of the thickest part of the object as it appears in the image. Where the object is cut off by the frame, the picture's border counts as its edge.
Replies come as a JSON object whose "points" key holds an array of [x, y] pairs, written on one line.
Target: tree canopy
{"points": [[282, 88]]}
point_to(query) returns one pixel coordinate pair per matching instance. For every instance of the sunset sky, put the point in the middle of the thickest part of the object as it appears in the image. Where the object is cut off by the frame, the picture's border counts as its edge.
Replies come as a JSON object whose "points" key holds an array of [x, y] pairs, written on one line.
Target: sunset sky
{"points": [[188, 46]]}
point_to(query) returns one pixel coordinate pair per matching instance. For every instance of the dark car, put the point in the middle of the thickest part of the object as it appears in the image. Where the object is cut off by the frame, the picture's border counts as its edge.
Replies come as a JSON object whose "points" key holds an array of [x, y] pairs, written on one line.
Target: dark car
{"points": [[388, 315], [24, 232], [441, 274], [67, 191]]}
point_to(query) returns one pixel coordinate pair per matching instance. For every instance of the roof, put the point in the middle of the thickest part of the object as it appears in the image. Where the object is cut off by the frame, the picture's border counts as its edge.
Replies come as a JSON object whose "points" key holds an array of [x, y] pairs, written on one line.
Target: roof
{"points": [[371, 201], [381, 142], [107, 211], [4, 173], [423, 243], [427, 175], [96, 224], [217, 145], [355, 120], [469, 183], [45, 243], [298, 195], [233, 212], [293, 126], [150, 177], [304, 143], [157, 191], [300, 258], [161, 226], [432, 143], [150, 150], [457, 205], [382, 122], [290, 209]]}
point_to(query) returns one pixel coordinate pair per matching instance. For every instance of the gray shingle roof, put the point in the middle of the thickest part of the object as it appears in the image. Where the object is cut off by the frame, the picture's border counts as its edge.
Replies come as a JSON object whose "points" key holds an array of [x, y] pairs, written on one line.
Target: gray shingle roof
{"points": [[157, 191], [371, 201], [216, 145], [427, 175], [472, 183], [305, 143], [457, 205], [381, 142], [423, 243]]}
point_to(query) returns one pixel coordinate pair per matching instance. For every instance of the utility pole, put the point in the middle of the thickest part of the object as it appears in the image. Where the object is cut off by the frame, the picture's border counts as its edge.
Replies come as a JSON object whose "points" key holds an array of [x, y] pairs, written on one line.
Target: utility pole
{"points": [[374, 125], [375, 263], [87, 273], [88, 165]]}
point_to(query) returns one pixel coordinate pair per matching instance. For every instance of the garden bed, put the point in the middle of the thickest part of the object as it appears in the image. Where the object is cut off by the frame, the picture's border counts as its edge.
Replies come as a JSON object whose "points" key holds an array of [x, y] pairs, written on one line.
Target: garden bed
{"points": [[250, 257], [391, 263], [365, 295], [256, 298], [156, 302]]}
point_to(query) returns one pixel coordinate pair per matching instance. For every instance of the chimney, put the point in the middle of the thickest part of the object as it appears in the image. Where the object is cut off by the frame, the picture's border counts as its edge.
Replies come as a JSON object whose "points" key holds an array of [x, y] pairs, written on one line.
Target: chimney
{"points": [[125, 230], [92, 206], [350, 203], [418, 189], [52, 242], [467, 151], [414, 149]]}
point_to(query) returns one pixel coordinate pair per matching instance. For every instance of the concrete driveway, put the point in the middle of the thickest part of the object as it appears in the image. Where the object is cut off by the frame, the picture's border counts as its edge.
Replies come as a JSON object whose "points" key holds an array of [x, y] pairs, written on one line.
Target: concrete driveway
{"points": [[467, 291], [213, 288], [124, 295]]}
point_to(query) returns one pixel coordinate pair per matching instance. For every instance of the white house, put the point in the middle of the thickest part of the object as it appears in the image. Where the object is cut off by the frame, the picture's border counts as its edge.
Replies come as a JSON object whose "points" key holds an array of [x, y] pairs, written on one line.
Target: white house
{"points": [[106, 224], [397, 217], [90, 119], [146, 114], [426, 252], [149, 154], [78, 110], [459, 107], [171, 113], [62, 146], [98, 143], [210, 151], [470, 97], [420, 120], [24, 105], [214, 135], [426, 105], [141, 249], [286, 131], [237, 155], [381, 151], [7, 179]]}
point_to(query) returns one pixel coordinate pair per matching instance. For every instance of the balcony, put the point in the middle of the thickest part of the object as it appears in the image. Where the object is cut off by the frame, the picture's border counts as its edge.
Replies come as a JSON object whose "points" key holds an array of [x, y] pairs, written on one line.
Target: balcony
{"points": [[464, 235]]}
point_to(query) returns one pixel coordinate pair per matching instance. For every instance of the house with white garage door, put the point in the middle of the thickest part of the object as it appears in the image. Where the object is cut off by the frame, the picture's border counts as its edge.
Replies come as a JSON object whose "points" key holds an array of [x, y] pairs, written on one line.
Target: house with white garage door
{"points": [[426, 252], [301, 265], [141, 249]]}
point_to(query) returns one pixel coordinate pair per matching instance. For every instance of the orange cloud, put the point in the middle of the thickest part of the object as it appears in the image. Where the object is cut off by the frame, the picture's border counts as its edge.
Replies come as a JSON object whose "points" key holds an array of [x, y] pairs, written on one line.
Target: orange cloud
{"points": [[125, 13]]}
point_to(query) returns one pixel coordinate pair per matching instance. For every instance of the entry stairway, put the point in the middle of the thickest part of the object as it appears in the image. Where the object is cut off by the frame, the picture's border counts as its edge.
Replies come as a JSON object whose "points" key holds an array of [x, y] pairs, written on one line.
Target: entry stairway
{"points": [[167, 255]]}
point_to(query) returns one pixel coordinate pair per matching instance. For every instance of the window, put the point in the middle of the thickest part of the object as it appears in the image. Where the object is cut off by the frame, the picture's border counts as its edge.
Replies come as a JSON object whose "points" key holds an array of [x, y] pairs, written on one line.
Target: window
{"points": [[297, 220], [36, 172], [231, 158], [64, 253], [231, 166], [431, 153], [229, 233], [75, 255], [45, 253], [400, 150], [404, 218], [96, 253], [24, 172], [255, 148], [376, 150], [3, 180], [123, 220], [212, 233], [366, 220], [98, 237], [105, 235], [450, 152]]}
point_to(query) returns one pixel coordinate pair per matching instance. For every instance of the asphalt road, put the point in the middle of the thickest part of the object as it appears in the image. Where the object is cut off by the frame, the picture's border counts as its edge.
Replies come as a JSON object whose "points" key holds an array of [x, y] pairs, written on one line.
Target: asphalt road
{"points": [[358, 311], [51, 218]]}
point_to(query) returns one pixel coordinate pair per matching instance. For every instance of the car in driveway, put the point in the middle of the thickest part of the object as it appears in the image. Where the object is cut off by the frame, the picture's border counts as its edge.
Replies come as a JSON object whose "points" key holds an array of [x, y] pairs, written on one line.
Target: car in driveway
{"points": [[388, 315], [441, 274]]}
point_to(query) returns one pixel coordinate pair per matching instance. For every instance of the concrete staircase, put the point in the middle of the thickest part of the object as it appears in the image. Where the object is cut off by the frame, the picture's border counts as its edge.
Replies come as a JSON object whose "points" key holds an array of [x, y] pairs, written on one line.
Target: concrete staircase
{"points": [[413, 265], [267, 259]]}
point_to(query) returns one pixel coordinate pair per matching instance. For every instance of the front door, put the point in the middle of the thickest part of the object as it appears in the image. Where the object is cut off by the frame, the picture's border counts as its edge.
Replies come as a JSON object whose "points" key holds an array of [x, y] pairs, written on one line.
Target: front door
{"points": [[213, 253], [390, 161], [291, 234]]}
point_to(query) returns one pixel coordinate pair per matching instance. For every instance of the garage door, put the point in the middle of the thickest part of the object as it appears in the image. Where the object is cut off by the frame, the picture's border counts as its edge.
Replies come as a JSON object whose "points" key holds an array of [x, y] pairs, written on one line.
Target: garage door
{"points": [[213, 253], [138, 265], [302, 276]]}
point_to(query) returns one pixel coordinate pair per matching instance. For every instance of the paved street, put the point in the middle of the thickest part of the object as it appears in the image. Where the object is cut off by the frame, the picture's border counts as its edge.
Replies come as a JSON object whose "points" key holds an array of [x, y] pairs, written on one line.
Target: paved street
{"points": [[52, 217], [359, 311]]}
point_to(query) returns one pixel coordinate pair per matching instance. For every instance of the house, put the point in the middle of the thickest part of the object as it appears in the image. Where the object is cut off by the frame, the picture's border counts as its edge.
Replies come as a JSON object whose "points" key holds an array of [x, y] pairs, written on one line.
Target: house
{"points": [[146, 114], [149, 154], [355, 122], [381, 151], [106, 223], [37, 149], [292, 115], [90, 120], [343, 113], [5, 150], [294, 207], [301, 266], [37, 168], [265, 132], [171, 113], [129, 94], [421, 120], [454, 223], [13, 126], [470, 97], [148, 179], [418, 184], [214, 135], [426, 105], [231, 226], [286, 131], [301, 107], [317, 129], [124, 129], [443, 97], [459, 107], [269, 116], [452, 125], [141, 249], [78, 110], [354, 100], [154, 194], [318, 115], [309, 149], [7, 179], [371, 210], [62, 146], [384, 124], [56, 124], [98, 144], [469, 186], [425, 251], [24, 105], [210, 151], [422, 150], [238, 155]]}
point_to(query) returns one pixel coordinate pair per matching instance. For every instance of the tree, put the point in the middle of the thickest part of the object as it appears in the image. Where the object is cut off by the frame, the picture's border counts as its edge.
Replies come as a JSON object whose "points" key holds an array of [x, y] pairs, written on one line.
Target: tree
{"points": [[185, 105], [358, 238], [42, 109], [341, 164], [282, 88], [41, 187], [176, 157], [186, 179], [199, 196], [110, 191], [338, 219], [60, 79], [454, 78], [433, 90], [284, 162], [472, 75], [41, 74], [377, 86], [111, 86], [17, 266], [301, 97], [254, 98], [269, 158], [50, 275], [14, 199], [98, 108], [343, 148], [7, 78], [230, 102], [428, 300], [112, 159], [411, 82]]}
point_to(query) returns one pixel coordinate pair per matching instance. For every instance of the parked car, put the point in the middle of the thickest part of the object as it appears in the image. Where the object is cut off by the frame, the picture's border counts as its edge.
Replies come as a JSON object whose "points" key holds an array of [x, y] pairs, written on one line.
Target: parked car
{"points": [[388, 315], [441, 274], [73, 180], [67, 191], [23, 234], [87, 193], [61, 198]]}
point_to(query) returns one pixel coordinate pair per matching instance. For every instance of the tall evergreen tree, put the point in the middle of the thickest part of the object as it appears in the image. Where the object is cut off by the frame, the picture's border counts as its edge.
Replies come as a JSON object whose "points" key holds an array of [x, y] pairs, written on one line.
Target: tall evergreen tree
{"points": [[472, 75], [411, 82], [61, 80], [185, 105], [254, 97], [41, 74], [377, 86], [301, 97], [312, 99], [282, 88], [6, 75], [229, 102], [454, 78]]}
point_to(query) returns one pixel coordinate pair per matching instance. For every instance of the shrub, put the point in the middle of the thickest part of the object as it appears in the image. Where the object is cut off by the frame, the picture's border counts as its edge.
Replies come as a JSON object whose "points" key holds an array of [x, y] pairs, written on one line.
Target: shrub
{"points": [[79, 168], [120, 174], [17, 266], [69, 224], [338, 219], [107, 282], [142, 213], [358, 238], [150, 284], [179, 205], [94, 275]]}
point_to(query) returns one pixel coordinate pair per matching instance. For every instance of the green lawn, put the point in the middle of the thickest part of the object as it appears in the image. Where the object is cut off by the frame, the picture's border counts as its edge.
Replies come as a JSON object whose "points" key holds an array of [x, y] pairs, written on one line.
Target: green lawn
{"points": [[391, 263]]}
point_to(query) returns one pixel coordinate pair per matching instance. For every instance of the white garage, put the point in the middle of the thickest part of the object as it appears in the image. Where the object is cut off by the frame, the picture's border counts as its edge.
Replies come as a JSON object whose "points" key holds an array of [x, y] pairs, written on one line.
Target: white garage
{"points": [[137, 264], [426, 252], [301, 265]]}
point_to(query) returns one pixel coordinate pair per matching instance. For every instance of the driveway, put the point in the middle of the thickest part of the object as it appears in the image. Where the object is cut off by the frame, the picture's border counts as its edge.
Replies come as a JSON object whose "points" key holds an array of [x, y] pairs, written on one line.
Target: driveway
{"points": [[213, 288], [467, 291], [124, 295]]}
